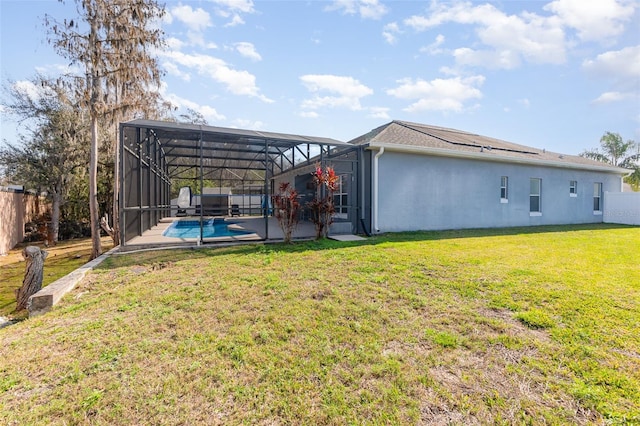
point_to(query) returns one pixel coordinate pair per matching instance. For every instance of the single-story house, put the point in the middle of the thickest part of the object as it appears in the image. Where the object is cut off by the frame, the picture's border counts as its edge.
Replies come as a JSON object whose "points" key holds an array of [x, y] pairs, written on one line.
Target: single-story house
{"points": [[401, 176], [422, 177]]}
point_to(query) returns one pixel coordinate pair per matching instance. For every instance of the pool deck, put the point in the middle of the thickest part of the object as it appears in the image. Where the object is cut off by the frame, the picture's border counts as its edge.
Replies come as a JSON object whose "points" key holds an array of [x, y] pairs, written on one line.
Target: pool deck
{"points": [[254, 224]]}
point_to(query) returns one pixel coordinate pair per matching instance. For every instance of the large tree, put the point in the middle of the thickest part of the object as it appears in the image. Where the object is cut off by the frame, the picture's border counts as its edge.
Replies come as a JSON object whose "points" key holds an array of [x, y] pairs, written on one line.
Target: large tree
{"points": [[112, 41], [54, 148], [614, 150]]}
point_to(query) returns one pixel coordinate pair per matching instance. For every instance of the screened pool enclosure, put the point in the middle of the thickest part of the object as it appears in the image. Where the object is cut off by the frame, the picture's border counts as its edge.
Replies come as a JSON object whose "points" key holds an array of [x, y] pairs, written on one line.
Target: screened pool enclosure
{"points": [[227, 177]]}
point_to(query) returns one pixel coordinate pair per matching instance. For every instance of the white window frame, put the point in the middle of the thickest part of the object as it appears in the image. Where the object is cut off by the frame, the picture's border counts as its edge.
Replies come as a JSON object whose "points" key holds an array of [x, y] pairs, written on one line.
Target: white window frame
{"points": [[573, 188], [342, 210], [597, 198], [504, 189], [539, 195]]}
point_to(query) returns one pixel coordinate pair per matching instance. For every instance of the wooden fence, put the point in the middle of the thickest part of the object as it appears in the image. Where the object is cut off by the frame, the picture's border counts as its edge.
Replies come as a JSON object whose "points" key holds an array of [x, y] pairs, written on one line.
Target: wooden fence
{"points": [[16, 209]]}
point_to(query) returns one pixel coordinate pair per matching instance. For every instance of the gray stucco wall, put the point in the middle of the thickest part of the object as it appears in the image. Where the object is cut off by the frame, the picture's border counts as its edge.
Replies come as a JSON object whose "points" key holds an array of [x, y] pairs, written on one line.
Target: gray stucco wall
{"points": [[418, 192]]}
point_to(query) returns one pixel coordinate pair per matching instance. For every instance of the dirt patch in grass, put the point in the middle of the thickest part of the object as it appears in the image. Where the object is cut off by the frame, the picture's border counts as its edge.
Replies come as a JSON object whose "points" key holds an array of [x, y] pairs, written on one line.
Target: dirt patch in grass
{"points": [[512, 327]]}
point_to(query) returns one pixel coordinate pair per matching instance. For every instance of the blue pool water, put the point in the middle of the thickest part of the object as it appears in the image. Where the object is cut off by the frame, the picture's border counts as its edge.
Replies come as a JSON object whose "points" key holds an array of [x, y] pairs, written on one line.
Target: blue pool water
{"points": [[210, 228]]}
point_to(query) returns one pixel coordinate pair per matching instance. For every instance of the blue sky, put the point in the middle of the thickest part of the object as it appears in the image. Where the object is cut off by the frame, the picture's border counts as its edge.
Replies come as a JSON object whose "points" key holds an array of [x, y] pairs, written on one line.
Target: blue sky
{"points": [[550, 74]]}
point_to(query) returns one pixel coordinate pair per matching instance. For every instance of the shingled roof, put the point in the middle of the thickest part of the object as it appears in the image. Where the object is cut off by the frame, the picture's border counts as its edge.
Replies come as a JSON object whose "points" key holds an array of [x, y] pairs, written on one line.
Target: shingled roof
{"points": [[420, 138]]}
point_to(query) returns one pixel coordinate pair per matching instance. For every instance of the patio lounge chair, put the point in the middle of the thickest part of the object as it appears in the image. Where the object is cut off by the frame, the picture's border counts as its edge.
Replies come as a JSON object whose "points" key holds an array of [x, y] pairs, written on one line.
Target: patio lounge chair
{"points": [[184, 200]]}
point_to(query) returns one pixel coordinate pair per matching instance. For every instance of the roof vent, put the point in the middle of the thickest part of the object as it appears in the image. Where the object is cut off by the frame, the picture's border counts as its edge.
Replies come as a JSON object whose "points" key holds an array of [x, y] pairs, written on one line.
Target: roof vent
{"points": [[560, 156], [489, 147]]}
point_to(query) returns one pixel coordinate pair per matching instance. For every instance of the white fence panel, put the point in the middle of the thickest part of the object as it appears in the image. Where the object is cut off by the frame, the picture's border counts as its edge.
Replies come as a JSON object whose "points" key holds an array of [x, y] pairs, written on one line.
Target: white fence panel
{"points": [[622, 207]]}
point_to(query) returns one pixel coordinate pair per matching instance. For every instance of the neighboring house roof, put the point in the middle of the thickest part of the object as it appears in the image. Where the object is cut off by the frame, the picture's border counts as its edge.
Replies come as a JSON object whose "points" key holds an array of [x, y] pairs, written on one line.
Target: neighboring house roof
{"points": [[424, 139]]}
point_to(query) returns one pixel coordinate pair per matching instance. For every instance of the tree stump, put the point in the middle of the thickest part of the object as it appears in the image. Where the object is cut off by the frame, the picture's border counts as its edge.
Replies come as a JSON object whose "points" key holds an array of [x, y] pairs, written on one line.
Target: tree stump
{"points": [[32, 282]]}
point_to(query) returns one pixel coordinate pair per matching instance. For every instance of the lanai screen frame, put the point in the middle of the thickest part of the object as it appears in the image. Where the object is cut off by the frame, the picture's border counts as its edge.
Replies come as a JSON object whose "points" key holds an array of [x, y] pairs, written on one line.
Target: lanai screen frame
{"points": [[150, 151]]}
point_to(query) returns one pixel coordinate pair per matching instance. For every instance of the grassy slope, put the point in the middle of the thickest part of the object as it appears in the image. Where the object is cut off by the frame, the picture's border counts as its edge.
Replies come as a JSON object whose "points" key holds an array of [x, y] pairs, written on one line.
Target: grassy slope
{"points": [[468, 327], [63, 258]]}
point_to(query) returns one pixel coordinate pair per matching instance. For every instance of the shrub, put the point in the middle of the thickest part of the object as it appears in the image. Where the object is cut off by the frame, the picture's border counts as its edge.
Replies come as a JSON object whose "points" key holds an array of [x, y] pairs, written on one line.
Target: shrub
{"points": [[286, 209], [322, 207]]}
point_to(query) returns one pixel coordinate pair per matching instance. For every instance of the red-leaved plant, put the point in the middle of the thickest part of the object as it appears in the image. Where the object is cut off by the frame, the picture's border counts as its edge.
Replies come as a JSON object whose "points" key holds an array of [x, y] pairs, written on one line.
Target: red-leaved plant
{"points": [[286, 209], [322, 207]]}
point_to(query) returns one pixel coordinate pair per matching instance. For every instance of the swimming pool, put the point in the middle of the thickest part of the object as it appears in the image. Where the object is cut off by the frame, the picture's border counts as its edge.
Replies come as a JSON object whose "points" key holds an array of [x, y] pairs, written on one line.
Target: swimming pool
{"points": [[210, 228]]}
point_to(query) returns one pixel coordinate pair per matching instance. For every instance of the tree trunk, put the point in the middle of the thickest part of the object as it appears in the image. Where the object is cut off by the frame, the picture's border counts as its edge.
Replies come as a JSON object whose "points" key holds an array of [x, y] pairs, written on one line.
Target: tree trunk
{"points": [[116, 194], [93, 81], [55, 217], [32, 282], [96, 249], [104, 224]]}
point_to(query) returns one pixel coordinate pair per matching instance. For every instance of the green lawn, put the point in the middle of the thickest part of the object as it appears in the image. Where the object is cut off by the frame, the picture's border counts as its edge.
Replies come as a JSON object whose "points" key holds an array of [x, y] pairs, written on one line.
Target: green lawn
{"points": [[62, 259], [515, 326]]}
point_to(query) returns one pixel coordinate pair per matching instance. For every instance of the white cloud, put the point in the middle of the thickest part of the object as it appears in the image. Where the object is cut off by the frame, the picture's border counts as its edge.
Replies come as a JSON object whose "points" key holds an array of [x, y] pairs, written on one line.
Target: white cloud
{"points": [[449, 71], [493, 59], [172, 69], [621, 68], [609, 97], [197, 39], [617, 64], [524, 102], [390, 32], [439, 94], [248, 50], [308, 114], [247, 124], [379, 112], [167, 19], [235, 21], [237, 82], [235, 6], [508, 38], [367, 9], [434, 48], [208, 112], [55, 70], [344, 91], [601, 19], [197, 20], [174, 43], [233, 9], [28, 88]]}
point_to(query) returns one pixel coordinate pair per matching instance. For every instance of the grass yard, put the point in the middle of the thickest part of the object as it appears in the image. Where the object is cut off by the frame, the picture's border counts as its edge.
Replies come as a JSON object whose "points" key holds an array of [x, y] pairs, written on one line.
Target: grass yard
{"points": [[514, 326], [63, 258]]}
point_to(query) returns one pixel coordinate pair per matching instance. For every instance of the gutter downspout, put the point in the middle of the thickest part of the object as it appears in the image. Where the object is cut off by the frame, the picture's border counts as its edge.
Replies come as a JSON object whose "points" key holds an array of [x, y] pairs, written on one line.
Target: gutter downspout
{"points": [[375, 191], [362, 191]]}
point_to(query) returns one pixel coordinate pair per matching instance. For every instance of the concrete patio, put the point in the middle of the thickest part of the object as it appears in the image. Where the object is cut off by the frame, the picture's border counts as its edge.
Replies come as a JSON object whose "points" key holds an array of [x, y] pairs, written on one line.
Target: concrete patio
{"points": [[257, 226]]}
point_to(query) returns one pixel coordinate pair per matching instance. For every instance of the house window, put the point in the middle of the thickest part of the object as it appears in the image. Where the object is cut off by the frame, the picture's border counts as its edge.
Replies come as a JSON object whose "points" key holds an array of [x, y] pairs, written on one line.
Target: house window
{"points": [[597, 198], [535, 191], [341, 198], [504, 189], [573, 188]]}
